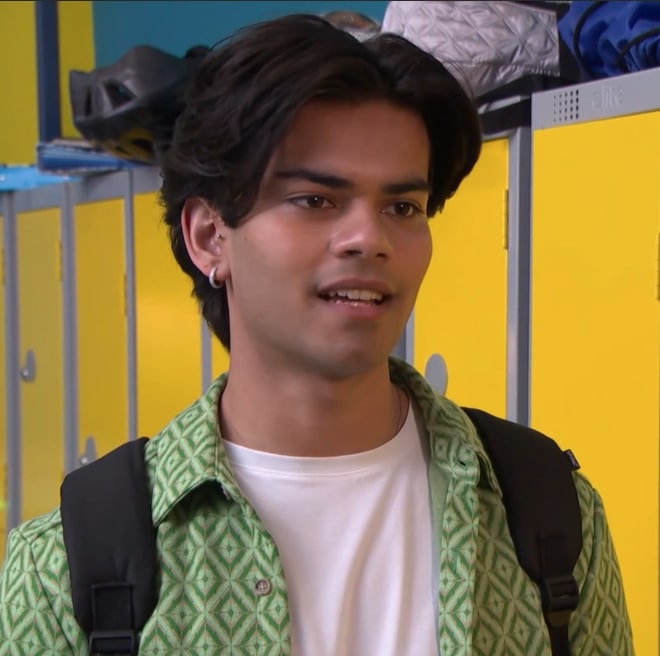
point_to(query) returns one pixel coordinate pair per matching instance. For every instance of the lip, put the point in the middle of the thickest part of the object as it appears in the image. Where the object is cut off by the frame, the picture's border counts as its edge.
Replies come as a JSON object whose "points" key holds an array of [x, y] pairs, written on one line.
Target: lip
{"points": [[364, 284], [358, 310]]}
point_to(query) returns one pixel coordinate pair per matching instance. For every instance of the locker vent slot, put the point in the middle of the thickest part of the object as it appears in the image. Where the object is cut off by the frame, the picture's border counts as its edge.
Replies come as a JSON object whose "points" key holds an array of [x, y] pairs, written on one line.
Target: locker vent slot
{"points": [[566, 106]]}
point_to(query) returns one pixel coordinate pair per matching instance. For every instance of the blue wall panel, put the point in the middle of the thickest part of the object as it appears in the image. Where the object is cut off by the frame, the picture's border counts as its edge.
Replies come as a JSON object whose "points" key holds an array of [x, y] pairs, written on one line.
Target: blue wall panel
{"points": [[175, 26]]}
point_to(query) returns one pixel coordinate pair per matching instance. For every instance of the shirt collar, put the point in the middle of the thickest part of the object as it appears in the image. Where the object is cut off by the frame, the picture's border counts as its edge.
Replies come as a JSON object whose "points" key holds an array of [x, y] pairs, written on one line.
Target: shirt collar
{"points": [[453, 438], [188, 452]]}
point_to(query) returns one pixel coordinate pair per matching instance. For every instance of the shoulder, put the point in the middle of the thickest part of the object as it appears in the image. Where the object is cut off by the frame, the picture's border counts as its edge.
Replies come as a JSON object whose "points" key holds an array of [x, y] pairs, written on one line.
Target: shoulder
{"points": [[601, 624], [36, 548], [39, 539], [595, 530], [34, 583]]}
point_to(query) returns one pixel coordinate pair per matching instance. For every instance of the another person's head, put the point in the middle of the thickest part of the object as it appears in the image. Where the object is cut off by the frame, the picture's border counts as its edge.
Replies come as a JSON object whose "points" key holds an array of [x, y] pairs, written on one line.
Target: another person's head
{"points": [[267, 104]]}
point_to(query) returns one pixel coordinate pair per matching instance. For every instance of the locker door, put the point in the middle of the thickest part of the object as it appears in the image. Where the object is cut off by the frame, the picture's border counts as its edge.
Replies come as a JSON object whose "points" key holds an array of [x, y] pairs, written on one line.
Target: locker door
{"points": [[19, 109], [168, 335], [41, 356], [461, 309], [595, 339], [101, 325], [3, 414]]}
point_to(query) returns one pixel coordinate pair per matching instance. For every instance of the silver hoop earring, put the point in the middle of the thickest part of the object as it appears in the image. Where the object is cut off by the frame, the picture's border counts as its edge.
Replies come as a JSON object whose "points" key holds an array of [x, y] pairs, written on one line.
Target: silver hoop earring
{"points": [[212, 281]]}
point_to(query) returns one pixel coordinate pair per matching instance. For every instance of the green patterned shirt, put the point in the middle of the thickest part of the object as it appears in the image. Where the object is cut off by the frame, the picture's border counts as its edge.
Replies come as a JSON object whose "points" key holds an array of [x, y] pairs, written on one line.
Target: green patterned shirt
{"points": [[214, 551]]}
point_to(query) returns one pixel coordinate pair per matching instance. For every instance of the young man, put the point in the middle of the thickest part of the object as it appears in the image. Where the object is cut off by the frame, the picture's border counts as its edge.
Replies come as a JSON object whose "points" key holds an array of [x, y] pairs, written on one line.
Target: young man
{"points": [[320, 499]]}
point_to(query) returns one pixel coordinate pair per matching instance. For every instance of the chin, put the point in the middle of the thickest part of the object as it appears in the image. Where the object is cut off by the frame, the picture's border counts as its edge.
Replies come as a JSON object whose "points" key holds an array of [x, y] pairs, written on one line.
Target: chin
{"points": [[351, 364]]}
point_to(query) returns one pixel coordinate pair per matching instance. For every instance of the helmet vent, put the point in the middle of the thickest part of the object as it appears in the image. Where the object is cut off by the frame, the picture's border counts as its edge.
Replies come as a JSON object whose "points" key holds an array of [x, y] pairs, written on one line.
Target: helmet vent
{"points": [[118, 94], [87, 111]]}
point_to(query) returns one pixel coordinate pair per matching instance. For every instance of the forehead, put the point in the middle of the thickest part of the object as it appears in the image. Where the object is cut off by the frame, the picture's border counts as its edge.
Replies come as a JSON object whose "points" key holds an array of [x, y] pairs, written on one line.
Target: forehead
{"points": [[375, 137]]}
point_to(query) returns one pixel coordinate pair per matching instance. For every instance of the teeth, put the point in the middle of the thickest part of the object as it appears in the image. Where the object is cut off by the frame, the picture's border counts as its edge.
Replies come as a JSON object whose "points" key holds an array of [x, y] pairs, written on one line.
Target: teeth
{"points": [[357, 295]]}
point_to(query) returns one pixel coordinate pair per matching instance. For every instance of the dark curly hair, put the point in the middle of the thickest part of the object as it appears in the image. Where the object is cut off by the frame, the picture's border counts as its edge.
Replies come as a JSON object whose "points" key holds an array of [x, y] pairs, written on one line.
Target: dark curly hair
{"points": [[247, 92]]}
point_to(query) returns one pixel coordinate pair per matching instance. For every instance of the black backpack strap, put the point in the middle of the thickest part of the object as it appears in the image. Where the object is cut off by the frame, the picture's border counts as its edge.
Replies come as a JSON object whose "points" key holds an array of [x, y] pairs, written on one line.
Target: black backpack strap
{"points": [[111, 548], [543, 513]]}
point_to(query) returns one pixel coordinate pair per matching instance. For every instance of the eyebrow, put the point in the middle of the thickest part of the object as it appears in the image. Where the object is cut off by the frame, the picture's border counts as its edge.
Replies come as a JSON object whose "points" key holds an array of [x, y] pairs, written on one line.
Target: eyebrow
{"points": [[337, 182]]}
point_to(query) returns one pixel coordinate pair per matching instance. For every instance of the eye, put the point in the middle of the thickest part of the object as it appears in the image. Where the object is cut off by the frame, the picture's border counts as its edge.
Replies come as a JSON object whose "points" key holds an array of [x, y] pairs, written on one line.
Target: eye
{"points": [[403, 208], [311, 202]]}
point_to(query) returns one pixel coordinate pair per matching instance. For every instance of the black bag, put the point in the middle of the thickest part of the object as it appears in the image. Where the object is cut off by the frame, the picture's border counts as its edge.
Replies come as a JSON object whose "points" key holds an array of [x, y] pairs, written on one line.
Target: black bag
{"points": [[113, 561]]}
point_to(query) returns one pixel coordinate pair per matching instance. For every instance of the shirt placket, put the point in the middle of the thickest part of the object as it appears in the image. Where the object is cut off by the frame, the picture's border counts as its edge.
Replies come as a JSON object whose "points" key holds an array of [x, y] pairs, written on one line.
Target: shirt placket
{"points": [[457, 544]]}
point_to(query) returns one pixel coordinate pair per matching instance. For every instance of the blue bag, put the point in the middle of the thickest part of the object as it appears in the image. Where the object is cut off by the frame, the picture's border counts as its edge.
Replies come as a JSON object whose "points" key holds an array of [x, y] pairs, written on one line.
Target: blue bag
{"points": [[611, 38]]}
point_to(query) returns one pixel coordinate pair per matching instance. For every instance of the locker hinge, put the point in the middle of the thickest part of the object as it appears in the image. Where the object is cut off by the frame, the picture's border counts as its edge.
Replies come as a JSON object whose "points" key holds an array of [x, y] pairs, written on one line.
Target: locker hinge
{"points": [[505, 231]]}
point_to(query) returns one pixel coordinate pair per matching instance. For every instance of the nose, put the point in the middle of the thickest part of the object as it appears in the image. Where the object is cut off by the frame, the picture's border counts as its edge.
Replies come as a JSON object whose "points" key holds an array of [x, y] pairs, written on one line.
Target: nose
{"points": [[362, 231]]}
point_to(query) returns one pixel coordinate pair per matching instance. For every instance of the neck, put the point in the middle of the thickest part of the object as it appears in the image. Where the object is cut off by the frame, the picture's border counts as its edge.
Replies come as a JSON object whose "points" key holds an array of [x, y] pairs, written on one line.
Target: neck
{"points": [[290, 414]]}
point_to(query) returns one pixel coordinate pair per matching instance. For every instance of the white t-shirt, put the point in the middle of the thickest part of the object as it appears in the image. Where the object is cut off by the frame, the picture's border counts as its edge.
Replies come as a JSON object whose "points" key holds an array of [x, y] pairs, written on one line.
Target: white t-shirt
{"points": [[355, 538]]}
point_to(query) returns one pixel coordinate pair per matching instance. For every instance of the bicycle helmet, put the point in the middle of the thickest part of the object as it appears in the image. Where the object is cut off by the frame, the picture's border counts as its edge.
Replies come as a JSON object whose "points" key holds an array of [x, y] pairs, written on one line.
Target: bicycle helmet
{"points": [[358, 25], [129, 107]]}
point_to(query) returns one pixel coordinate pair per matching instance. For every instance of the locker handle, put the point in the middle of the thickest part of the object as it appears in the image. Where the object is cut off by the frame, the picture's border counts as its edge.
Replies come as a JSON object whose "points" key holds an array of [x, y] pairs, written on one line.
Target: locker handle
{"points": [[29, 369], [436, 373], [89, 454]]}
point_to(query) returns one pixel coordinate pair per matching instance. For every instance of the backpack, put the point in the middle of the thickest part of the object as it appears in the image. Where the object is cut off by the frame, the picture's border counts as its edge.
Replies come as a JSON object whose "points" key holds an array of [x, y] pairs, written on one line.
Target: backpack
{"points": [[612, 38], [111, 542]]}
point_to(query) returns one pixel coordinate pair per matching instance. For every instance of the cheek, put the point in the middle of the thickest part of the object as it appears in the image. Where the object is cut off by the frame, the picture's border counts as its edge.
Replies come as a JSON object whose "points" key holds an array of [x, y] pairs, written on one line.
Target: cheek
{"points": [[428, 248], [420, 252], [273, 254]]}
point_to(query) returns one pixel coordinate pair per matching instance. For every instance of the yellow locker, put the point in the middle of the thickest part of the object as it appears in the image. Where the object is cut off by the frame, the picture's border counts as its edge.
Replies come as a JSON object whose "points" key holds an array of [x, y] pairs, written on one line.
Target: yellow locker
{"points": [[75, 23], [168, 324], [19, 107], [461, 309], [595, 332], [18, 80], [41, 356], [101, 325], [3, 436]]}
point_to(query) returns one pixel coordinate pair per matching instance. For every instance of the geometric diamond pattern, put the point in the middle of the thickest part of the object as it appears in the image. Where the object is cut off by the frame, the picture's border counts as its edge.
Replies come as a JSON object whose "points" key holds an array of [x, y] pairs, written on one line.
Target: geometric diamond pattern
{"points": [[214, 550]]}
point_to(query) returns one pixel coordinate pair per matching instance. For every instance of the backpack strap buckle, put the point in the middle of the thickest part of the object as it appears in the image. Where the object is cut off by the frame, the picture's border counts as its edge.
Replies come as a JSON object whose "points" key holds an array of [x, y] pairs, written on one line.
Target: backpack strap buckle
{"points": [[559, 596], [113, 632], [115, 643]]}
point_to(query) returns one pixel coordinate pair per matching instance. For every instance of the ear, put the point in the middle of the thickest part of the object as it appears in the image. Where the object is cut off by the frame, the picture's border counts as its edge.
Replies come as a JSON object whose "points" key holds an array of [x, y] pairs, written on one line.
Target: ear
{"points": [[204, 233]]}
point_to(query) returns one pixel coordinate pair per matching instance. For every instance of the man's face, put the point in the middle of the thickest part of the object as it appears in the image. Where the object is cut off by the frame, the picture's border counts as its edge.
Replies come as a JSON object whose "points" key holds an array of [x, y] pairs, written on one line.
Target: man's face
{"points": [[323, 273]]}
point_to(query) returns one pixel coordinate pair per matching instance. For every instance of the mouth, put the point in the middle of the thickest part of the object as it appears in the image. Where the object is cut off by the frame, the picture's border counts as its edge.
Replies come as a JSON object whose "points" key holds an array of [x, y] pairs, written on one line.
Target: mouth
{"points": [[354, 297]]}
